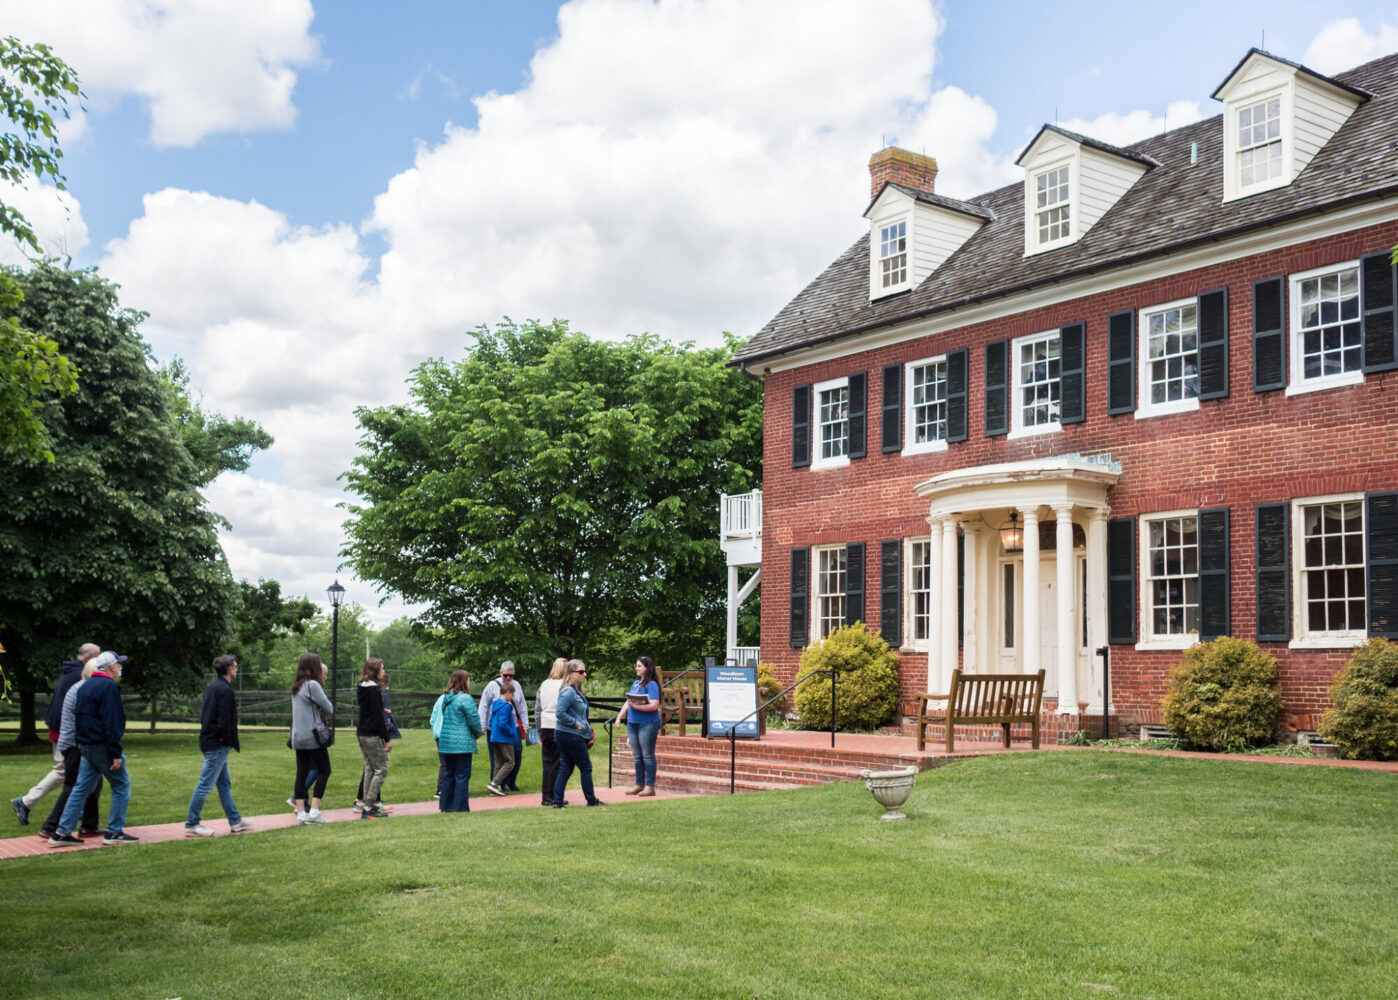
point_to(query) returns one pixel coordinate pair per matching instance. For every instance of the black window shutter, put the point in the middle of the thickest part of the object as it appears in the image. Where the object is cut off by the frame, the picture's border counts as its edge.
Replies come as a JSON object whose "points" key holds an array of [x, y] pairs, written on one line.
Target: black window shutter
{"points": [[997, 389], [1121, 580], [1213, 344], [1268, 334], [858, 413], [891, 592], [801, 426], [800, 597], [956, 395], [1213, 573], [1381, 523], [960, 589], [892, 407], [1380, 328], [1072, 391], [854, 583], [1273, 572], [1121, 362]]}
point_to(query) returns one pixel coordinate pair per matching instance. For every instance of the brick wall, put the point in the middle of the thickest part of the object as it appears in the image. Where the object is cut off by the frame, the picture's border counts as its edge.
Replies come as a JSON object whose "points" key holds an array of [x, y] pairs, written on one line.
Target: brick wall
{"points": [[1245, 449]]}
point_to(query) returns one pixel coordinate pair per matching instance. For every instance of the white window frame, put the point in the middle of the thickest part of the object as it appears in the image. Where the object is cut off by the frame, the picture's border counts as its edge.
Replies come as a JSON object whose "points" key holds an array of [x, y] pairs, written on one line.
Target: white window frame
{"points": [[819, 593], [1233, 161], [911, 447], [1018, 429], [1304, 638], [818, 428], [881, 287], [1296, 383], [910, 590], [1149, 640], [1031, 209], [1147, 409]]}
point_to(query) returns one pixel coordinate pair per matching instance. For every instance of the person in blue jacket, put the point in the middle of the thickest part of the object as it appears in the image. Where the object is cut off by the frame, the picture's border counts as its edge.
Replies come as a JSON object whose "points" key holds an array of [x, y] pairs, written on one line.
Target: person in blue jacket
{"points": [[101, 723], [505, 729], [573, 734], [458, 726]]}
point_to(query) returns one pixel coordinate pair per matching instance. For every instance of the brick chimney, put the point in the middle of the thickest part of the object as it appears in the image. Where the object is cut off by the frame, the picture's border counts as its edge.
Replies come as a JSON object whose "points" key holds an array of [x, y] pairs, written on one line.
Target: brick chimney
{"points": [[899, 166]]}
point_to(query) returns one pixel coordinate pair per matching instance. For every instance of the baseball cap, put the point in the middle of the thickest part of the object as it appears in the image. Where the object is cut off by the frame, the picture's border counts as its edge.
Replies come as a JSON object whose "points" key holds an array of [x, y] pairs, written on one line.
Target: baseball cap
{"points": [[106, 659]]}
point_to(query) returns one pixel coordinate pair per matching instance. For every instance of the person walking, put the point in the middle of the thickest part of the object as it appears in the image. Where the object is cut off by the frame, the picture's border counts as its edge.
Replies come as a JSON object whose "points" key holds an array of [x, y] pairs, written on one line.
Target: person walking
{"points": [[393, 734], [374, 740], [72, 764], [458, 727], [573, 734], [544, 704], [642, 716], [310, 710], [68, 675], [491, 692], [218, 734], [100, 723], [504, 737]]}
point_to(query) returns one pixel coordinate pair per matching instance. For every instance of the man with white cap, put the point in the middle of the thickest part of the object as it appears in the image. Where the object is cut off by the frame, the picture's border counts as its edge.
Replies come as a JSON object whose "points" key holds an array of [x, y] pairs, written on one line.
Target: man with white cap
{"points": [[491, 692], [100, 725]]}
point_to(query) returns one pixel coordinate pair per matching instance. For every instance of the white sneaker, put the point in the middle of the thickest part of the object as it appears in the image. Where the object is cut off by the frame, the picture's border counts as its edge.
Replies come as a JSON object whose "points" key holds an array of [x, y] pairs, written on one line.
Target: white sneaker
{"points": [[303, 818], [242, 826], [314, 816], [199, 830]]}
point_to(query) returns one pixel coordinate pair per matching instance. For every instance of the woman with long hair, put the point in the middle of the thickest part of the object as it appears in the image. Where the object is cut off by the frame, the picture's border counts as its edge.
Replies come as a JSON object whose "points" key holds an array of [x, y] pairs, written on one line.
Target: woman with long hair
{"points": [[372, 732], [309, 707], [642, 716], [545, 702], [573, 734], [460, 726]]}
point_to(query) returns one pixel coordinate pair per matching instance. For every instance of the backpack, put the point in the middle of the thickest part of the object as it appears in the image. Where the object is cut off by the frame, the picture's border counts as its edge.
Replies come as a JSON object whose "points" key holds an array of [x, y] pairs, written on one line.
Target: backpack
{"points": [[438, 713]]}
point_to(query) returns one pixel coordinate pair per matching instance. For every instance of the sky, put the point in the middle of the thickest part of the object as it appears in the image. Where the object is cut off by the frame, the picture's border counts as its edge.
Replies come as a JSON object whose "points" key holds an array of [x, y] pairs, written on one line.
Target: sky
{"points": [[309, 200]]}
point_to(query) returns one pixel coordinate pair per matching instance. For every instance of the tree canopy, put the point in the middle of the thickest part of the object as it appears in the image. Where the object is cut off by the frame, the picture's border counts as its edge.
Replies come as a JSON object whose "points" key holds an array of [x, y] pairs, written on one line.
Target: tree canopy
{"points": [[111, 541], [554, 495]]}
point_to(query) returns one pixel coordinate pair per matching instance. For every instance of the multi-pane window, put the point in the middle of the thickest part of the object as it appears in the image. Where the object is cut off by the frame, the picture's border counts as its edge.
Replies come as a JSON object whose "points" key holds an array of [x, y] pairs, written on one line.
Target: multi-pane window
{"points": [[1036, 382], [832, 418], [1259, 142], [927, 402], [919, 591], [1327, 326], [1332, 567], [1171, 370], [1051, 206], [830, 591], [893, 254], [1172, 575]]}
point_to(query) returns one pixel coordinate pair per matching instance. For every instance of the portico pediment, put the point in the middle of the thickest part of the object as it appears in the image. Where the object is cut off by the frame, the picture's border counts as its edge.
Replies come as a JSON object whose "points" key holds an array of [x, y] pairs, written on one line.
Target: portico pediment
{"points": [[1068, 479]]}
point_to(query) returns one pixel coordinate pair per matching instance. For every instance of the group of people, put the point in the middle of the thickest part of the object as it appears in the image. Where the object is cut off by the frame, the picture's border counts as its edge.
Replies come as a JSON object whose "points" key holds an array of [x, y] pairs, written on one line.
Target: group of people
{"points": [[86, 723]]}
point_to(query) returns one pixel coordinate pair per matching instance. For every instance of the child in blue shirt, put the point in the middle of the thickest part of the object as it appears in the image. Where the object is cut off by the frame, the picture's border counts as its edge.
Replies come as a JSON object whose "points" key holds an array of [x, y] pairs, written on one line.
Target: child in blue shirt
{"points": [[504, 732]]}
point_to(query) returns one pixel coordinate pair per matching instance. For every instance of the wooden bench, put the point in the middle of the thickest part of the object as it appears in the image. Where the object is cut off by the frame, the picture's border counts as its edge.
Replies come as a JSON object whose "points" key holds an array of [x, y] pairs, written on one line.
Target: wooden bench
{"points": [[984, 699], [681, 697]]}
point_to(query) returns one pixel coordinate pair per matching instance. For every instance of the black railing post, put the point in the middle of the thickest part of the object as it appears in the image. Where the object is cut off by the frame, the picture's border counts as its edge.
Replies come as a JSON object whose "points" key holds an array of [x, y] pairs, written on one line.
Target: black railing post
{"points": [[833, 674], [732, 759], [609, 755]]}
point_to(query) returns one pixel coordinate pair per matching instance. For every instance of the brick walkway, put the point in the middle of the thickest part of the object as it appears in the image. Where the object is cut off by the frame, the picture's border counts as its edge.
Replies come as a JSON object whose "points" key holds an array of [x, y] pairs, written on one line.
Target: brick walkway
{"points": [[30, 846]]}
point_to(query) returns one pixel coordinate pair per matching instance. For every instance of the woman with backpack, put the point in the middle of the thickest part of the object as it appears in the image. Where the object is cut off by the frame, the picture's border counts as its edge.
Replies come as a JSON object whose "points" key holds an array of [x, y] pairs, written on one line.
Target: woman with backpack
{"points": [[456, 724]]}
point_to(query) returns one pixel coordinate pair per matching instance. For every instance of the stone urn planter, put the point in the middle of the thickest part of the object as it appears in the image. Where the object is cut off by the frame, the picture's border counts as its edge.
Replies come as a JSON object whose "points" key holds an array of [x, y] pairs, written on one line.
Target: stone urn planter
{"points": [[890, 789]]}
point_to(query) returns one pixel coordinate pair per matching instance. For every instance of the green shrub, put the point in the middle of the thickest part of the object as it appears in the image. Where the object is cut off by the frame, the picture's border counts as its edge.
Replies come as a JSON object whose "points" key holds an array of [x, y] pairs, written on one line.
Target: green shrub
{"points": [[1364, 721], [767, 683], [1224, 696], [866, 692]]}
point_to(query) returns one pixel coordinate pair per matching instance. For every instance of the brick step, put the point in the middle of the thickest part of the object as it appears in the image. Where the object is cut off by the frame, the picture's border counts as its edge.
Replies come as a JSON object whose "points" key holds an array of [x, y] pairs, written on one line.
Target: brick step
{"points": [[784, 772], [748, 750], [707, 784]]}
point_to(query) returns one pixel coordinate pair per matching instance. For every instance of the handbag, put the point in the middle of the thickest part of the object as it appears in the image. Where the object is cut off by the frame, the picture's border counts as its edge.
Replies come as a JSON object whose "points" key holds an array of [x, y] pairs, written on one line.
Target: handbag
{"points": [[325, 736], [531, 738]]}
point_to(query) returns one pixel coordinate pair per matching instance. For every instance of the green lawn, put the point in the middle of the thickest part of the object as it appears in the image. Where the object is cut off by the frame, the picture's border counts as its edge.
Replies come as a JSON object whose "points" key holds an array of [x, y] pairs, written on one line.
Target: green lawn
{"points": [[1057, 875]]}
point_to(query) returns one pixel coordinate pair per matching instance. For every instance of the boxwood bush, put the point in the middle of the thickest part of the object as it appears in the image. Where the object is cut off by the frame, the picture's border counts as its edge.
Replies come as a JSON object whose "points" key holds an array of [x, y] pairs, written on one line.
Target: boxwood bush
{"points": [[1364, 721], [866, 693], [1224, 696]]}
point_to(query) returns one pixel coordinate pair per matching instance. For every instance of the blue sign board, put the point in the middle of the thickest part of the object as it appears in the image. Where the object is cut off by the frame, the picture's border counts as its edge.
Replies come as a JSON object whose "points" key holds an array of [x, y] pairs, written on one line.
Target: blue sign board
{"points": [[731, 694]]}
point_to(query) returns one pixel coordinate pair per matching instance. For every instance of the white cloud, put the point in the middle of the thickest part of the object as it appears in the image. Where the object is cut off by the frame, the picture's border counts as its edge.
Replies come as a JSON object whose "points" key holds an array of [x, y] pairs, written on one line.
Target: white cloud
{"points": [[202, 66], [1344, 43], [55, 216], [1124, 129]]}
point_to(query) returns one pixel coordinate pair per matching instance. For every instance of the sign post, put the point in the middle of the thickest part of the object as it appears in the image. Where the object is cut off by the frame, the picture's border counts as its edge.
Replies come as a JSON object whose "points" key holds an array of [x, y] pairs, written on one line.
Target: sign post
{"points": [[730, 695]]}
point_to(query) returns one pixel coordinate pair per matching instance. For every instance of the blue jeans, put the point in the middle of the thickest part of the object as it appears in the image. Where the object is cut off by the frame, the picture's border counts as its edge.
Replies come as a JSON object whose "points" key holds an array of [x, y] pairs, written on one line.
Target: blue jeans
{"points": [[213, 774], [96, 765], [572, 752], [642, 740], [456, 783]]}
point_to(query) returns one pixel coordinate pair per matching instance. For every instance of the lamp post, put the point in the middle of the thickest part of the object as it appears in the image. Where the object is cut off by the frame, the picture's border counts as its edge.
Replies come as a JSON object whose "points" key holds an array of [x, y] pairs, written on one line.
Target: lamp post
{"points": [[336, 593]]}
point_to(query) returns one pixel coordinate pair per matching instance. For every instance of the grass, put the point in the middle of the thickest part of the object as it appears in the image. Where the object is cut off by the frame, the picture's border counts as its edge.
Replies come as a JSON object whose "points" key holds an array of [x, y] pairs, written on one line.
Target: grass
{"points": [[1055, 875]]}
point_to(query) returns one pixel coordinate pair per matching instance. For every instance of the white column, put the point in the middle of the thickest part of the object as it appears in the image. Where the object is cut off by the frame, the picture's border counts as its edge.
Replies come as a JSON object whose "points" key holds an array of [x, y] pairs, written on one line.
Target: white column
{"points": [[1030, 590], [732, 610], [934, 624], [1096, 597], [970, 652], [948, 600], [1067, 617]]}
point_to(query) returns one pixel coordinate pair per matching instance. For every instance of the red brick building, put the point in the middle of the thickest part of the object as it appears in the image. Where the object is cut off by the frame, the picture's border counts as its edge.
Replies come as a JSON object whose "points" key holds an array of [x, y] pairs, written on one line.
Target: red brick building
{"points": [[1175, 361]]}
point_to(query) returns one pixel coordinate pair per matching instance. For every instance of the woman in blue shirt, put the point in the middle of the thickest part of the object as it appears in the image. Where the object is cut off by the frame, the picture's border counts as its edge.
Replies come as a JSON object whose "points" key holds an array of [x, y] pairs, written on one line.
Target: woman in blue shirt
{"points": [[642, 715], [573, 735]]}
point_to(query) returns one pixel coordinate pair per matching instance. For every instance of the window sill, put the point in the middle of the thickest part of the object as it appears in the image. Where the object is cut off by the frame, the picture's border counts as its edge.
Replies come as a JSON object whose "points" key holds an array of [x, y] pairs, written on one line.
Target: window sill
{"points": [[830, 463], [1027, 432], [1174, 642], [925, 447], [1298, 388], [1145, 412], [1345, 641]]}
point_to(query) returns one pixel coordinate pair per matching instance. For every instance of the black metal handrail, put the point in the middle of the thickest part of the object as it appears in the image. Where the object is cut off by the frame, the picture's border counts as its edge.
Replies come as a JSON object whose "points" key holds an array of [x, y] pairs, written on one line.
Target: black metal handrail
{"points": [[733, 731]]}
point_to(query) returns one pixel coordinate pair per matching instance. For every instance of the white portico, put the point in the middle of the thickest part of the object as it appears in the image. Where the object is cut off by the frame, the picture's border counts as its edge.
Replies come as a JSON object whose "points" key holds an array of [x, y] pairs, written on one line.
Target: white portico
{"points": [[1034, 578]]}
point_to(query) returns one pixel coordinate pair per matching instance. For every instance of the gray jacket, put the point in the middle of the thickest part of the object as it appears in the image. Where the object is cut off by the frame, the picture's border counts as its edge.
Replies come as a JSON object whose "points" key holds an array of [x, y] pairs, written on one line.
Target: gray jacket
{"points": [[492, 691], [307, 707], [68, 728]]}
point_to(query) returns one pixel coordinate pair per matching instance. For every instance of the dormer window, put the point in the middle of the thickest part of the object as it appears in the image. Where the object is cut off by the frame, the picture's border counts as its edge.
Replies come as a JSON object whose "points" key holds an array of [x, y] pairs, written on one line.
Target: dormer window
{"points": [[893, 254], [1052, 205], [1259, 143]]}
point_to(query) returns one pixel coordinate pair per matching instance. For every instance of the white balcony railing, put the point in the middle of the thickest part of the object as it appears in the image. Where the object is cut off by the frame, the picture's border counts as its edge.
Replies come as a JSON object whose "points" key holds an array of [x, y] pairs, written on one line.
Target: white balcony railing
{"points": [[742, 515], [742, 654]]}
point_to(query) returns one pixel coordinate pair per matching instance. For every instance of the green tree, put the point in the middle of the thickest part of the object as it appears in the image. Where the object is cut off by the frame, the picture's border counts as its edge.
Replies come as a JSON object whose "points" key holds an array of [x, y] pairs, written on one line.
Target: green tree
{"points": [[549, 490], [261, 617], [35, 85], [216, 443], [111, 541]]}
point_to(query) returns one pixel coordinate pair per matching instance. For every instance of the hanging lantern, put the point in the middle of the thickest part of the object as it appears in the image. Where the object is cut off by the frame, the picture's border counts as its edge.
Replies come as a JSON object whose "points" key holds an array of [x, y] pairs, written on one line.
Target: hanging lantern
{"points": [[1011, 534]]}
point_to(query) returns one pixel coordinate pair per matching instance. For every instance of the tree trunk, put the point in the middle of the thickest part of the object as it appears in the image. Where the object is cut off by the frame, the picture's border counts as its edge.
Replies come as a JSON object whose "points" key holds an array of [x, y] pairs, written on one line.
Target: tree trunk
{"points": [[28, 733]]}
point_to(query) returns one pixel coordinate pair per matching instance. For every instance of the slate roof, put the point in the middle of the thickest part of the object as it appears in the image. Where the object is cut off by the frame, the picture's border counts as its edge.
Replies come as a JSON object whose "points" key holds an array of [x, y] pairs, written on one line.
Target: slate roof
{"points": [[1172, 207]]}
